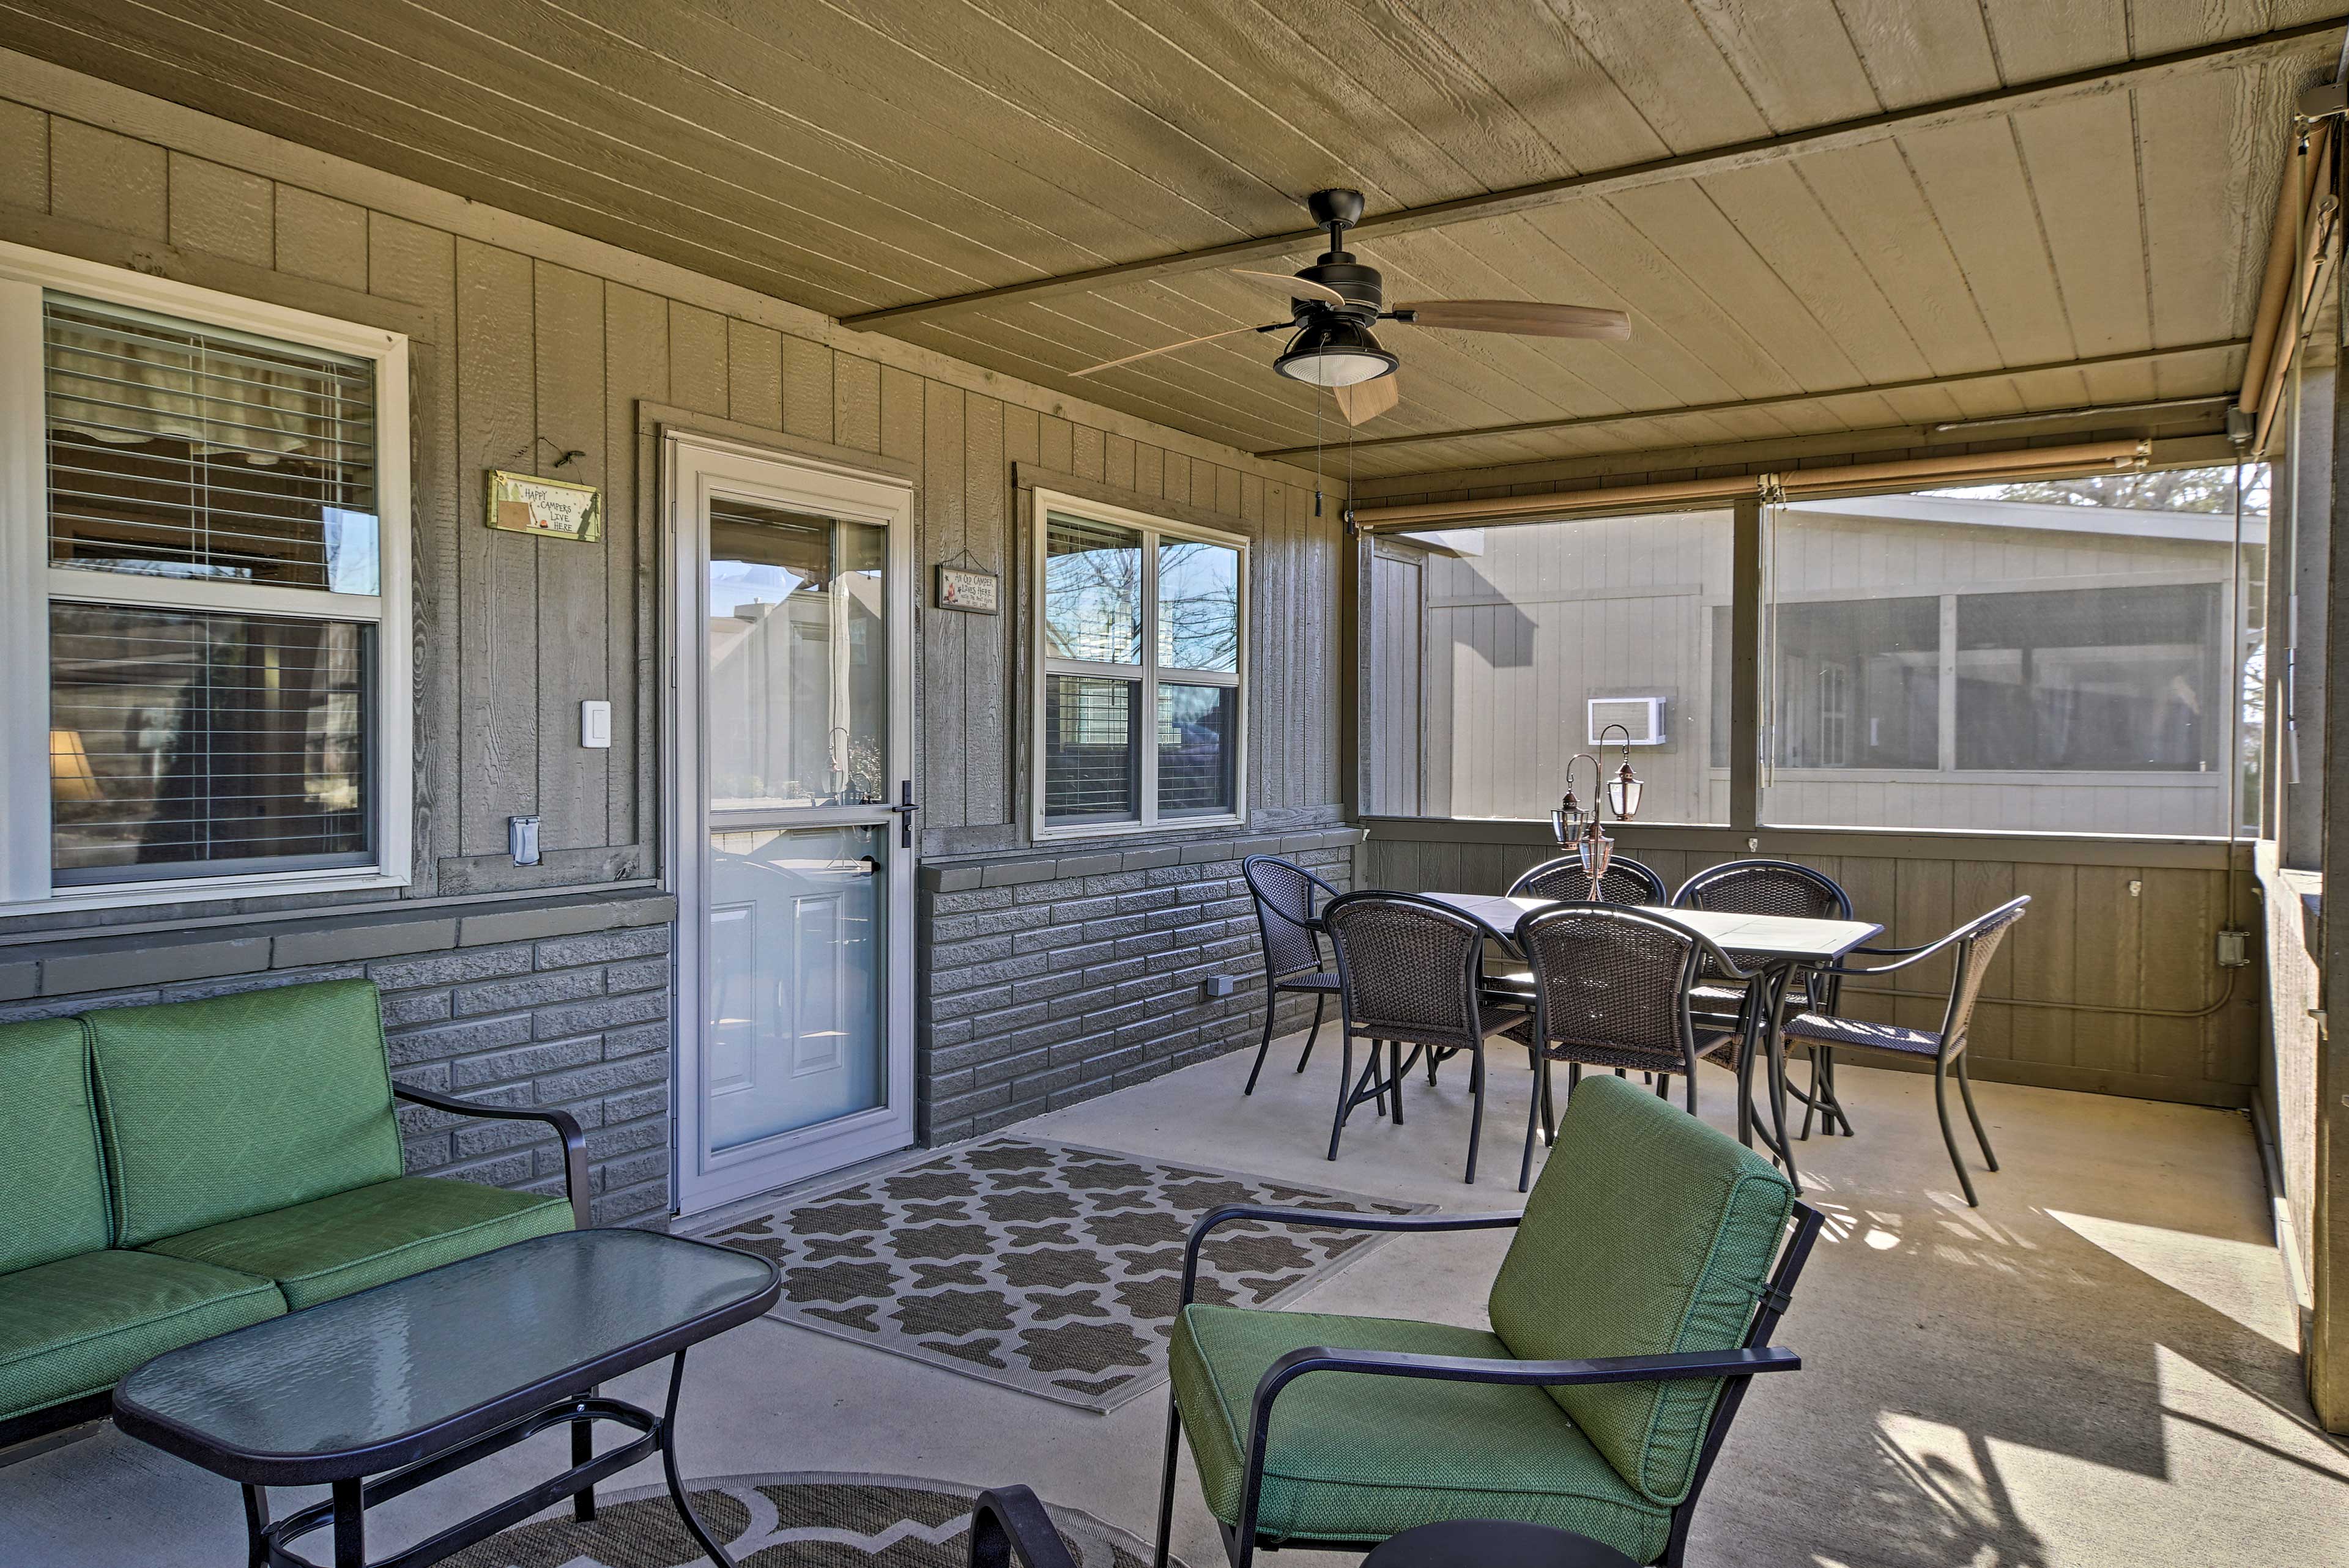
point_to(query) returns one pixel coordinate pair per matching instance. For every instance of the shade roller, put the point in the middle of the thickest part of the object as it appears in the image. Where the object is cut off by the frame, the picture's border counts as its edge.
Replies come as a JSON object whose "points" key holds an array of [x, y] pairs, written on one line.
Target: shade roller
{"points": [[2042, 462], [185, 450]]}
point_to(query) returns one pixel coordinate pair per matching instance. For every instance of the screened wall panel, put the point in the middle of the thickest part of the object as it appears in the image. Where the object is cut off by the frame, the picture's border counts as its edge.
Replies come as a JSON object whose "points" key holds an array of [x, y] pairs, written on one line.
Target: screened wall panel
{"points": [[2069, 655]]}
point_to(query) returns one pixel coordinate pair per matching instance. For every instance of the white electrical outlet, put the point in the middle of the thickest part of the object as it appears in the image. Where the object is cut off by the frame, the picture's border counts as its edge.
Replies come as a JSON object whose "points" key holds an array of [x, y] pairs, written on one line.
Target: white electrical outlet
{"points": [[595, 725]]}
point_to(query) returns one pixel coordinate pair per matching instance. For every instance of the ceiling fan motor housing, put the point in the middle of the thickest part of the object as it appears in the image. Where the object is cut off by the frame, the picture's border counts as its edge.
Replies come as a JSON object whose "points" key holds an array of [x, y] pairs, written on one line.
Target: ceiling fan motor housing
{"points": [[1364, 289]]}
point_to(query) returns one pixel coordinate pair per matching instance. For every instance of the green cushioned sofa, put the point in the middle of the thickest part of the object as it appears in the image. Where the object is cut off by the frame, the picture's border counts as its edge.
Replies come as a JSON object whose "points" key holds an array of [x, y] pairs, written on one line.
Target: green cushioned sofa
{"points": [[170, 1173], [1635, 1305]]}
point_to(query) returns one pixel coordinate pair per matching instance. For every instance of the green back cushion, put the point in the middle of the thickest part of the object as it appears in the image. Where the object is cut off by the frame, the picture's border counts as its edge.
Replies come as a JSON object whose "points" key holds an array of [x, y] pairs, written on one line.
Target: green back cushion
{"points": [[1649, 1233], [52, 1185], [216, 1109]]}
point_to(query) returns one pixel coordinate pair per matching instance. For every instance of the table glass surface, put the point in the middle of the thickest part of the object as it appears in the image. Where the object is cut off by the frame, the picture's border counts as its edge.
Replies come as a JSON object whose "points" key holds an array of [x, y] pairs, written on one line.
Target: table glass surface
{"points": [[375, 1367], [1766, 936]]}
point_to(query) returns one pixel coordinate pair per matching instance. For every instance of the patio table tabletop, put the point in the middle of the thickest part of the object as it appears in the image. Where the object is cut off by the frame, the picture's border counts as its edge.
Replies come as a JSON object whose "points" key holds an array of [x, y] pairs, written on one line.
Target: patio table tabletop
{"points": [[1768, 938], [424, 1374]]}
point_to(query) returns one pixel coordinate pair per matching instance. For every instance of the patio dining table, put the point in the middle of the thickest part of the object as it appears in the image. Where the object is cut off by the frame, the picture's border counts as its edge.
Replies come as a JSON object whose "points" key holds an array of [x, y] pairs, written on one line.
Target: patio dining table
{"points": [[1778, 946]]}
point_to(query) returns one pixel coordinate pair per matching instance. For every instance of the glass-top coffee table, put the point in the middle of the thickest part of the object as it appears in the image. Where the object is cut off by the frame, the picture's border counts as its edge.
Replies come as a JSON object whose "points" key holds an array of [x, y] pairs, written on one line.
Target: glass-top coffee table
{"points": [[413, 1380]]}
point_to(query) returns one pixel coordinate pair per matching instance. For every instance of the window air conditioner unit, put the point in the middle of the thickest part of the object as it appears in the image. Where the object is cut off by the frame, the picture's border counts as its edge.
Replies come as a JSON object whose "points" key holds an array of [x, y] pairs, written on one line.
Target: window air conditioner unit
{"points": [[1642, 715]]}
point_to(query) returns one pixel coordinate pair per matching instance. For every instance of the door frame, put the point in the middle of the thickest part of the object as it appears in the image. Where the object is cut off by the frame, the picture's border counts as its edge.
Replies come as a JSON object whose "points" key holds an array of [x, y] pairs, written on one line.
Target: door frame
{"points": [[694, 465]]}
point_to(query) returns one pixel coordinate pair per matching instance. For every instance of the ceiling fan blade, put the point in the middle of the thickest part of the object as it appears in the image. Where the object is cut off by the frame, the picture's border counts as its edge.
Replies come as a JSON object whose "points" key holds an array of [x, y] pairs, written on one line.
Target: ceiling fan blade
{"points": [[1295, 288], [1166, 348], [1527, 316], [1366, 400]]}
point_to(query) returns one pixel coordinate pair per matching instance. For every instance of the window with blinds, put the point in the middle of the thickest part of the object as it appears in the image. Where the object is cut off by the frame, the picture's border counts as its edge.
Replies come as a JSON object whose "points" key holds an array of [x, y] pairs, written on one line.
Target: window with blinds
{"points": [[222, 690], [177, 450], [1141, 628], [201, 743]]}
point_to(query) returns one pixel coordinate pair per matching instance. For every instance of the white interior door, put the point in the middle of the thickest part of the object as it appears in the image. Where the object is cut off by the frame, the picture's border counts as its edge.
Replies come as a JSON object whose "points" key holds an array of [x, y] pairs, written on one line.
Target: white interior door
{"points": [[790, 779]]}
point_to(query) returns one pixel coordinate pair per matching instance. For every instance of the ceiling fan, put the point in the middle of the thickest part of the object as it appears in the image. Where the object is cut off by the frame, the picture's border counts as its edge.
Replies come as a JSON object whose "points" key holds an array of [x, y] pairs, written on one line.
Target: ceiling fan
{"points": [[1334, 303]]}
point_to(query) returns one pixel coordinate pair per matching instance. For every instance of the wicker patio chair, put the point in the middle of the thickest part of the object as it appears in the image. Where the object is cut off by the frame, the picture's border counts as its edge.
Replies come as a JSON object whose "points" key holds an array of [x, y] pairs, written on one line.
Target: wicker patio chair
{"points": [[1642, 1285], [1976, 944], [1611, 990], [1410, 973], [1623, 882], [1285, 924], [1770, 887]]}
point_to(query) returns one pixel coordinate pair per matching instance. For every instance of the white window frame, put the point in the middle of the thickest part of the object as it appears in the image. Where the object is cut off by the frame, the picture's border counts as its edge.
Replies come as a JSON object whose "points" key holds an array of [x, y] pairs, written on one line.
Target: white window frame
{"points": [[1148, 673], [28, 584]]}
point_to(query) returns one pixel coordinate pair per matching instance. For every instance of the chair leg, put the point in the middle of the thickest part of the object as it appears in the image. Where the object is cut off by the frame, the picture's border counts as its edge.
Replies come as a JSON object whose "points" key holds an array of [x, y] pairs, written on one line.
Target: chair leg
{"points": [[1663, 1085], [1394, 1077], [1476, 1117], [1549, 1102], [1536, 1114], [1313, 1033], [1948, 1137], [1264, 1045], [1166, 1481], [1812, 1103], [1966, 1090], [1345, 1087]]}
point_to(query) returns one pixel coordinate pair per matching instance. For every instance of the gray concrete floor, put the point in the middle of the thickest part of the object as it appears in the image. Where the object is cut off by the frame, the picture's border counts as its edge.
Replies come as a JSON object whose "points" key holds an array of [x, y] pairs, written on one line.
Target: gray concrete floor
{"points": [[2094, 1368]]}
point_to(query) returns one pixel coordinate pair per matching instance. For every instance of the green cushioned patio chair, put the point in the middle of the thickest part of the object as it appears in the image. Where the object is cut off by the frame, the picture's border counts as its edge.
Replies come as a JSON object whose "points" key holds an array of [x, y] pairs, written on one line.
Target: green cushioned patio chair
{"points": [[1651, 1262], [170, 1173]]}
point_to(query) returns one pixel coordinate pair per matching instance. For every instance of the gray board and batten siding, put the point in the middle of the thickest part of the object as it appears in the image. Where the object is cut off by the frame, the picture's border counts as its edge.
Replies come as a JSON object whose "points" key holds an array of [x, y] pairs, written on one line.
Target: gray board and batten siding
{"points": [[524, 336]]}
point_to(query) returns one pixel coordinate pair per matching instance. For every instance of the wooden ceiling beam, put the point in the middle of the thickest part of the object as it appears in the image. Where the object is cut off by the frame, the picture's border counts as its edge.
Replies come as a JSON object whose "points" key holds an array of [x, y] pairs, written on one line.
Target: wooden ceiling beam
{"points": [[2314, 39], [1634, 416]]}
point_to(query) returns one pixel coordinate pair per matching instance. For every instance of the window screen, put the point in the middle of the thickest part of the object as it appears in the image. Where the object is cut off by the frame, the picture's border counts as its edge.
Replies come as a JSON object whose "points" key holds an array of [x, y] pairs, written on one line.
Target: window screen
{"points": [[200, 743], [2101, 679], [1092, 749]]}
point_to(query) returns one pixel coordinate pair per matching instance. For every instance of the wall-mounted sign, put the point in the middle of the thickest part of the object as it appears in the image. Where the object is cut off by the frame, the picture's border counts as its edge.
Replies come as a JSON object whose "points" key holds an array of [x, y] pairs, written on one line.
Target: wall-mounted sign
{"points": [[960, 588], [524, 503]]}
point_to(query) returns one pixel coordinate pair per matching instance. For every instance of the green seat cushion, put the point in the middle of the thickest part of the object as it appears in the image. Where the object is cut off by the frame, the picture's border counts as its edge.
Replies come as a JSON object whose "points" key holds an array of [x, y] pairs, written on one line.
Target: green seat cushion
{"points": [[1649, 1233], [77, 1326], [52, 1184], [1358, 1459], [334, 1245], [212, 1110]]}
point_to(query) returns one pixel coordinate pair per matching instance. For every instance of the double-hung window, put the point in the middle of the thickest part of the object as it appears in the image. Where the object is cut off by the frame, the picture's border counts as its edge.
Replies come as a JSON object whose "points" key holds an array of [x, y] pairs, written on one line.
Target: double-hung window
{"points": [[1143, 632], [203, 603]]}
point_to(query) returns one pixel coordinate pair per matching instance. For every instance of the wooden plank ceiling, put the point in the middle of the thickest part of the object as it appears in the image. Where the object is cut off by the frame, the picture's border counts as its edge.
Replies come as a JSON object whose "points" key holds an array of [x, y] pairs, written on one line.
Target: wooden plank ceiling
{"points": [[866, 154]]}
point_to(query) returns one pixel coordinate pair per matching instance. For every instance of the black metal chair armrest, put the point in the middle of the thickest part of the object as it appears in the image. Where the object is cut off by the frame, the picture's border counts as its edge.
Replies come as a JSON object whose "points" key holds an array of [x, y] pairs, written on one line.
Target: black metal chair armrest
{"points": [[1335, 1219], [1008, 1522], [566, 1127], [1904, 957]]}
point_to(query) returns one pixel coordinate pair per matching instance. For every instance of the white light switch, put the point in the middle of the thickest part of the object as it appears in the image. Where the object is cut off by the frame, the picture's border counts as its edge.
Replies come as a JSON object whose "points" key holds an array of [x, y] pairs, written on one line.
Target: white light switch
{"points": [[596, 725]]}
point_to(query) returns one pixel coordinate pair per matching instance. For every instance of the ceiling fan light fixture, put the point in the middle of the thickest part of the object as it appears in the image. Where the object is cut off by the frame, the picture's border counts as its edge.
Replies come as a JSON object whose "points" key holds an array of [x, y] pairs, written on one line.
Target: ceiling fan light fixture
{"points": [[1334, 352]]}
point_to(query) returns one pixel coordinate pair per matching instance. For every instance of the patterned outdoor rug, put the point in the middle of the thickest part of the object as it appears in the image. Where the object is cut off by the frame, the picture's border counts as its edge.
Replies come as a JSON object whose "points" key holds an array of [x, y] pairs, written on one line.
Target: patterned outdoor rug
{"points": [[811, 1519], [1046, 1267]]}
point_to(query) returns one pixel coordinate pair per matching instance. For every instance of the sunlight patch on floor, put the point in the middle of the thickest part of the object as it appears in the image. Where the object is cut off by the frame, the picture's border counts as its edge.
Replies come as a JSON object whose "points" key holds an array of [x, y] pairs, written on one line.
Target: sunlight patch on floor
{"points": [[2236, 1279]]}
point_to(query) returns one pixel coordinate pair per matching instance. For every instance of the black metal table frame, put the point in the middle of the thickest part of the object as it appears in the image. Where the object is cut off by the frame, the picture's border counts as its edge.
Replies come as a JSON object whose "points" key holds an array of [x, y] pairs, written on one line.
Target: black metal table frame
{"points": [[400, 1465]]}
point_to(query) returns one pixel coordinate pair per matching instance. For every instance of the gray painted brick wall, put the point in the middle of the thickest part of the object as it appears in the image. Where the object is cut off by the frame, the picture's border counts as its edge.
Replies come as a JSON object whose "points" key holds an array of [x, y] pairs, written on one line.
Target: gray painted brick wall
{"points": [[1047, 981], [563, 1004]]}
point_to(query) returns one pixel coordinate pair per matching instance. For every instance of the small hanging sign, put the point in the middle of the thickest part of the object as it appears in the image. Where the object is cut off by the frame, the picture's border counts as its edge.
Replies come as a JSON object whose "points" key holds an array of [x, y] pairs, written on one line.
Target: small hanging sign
{"points": [[965, 588], [552, 509]]}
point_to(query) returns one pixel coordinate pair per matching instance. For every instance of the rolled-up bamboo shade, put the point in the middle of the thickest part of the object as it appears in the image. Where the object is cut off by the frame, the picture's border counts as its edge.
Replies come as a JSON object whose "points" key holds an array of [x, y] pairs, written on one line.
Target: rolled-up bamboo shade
{"points": [[1960, 468]]}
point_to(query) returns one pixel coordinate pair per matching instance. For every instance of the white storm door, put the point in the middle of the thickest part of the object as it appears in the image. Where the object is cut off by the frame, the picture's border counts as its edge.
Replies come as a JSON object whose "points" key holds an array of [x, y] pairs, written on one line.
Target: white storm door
{"points": [[792, 830]]}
